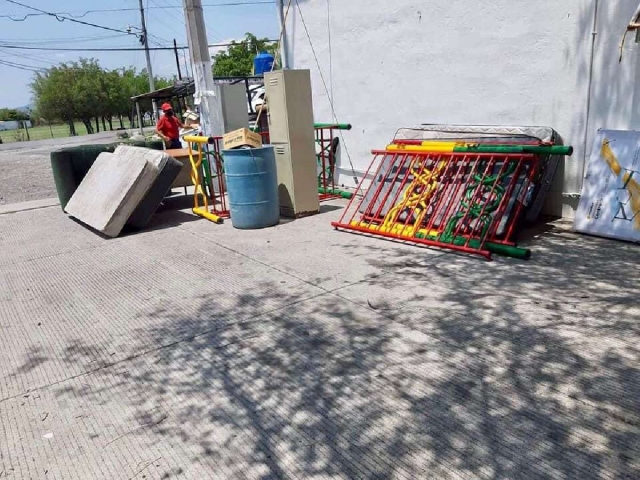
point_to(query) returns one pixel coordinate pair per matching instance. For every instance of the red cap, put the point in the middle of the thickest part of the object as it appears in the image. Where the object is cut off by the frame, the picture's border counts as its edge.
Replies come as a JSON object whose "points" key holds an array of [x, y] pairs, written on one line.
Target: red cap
{"points": [[166, 106]]}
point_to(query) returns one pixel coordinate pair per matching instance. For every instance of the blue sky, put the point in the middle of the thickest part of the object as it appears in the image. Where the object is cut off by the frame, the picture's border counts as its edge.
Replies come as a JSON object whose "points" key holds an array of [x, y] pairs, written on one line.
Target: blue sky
{"points": [[224, 22]]}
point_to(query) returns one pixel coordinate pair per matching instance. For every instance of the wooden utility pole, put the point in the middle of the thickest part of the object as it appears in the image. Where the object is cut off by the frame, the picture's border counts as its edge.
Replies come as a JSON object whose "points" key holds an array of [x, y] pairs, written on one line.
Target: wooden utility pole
{"points": [[206, 99], [145, 42], [175, 50]]}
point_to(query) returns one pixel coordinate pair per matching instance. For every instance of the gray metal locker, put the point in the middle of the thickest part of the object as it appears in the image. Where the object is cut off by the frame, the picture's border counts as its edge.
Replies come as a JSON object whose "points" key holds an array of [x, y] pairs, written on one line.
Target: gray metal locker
{"points": [[233, 101], [292, 135]]}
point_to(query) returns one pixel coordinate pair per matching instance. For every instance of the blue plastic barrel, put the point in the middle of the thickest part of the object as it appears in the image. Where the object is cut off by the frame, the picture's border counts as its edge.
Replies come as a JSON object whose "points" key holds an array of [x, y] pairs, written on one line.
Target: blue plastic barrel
{"points": [[263, 62], [252, 185]]}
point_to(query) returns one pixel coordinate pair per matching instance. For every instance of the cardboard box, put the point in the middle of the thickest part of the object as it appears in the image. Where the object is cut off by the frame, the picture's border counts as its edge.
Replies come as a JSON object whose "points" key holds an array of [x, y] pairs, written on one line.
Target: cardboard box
{"points": [[242, 137]]}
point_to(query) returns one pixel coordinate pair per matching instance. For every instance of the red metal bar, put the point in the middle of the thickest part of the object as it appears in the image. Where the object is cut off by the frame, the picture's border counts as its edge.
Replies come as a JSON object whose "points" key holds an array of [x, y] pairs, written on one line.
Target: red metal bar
{"points": [[504, 202], [424, 161], [532, 173], [483, 237], [367, 214], [331, 160], [458, 194], [323, 140], [492, 234], [461, 222], [323, 156], [418, 162], [405, 179], [484, 253], [407, 164], [441, 193], [218, 199], [355, 201], [456, 182]]}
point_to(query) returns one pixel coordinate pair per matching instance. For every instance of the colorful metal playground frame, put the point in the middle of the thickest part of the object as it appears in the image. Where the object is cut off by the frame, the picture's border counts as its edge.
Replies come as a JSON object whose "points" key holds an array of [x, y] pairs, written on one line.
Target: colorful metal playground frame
{"points": [[468, 202]]}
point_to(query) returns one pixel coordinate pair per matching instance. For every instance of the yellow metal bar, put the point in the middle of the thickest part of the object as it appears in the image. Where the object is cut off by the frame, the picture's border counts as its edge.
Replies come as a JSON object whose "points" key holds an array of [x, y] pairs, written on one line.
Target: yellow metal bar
{"points": [[196, 167], [438, 147], [198, 139], [415, 197], [202, 212], [396, 229]]}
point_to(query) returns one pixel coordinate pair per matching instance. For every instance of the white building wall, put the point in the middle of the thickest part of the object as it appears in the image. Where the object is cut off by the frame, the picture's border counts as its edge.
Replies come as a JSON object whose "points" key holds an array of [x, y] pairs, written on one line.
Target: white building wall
{"points": [[398, 63]]}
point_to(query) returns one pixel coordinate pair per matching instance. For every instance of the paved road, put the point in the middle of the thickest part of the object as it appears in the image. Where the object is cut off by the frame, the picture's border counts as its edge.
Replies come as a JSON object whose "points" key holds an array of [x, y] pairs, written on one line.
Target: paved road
{"points": [[59, 142], [25, 171]]}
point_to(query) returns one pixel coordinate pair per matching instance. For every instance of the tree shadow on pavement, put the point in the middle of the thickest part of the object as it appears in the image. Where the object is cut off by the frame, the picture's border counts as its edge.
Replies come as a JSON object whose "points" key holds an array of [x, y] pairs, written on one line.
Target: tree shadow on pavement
{"points": [[442, 367], [545, 353]]}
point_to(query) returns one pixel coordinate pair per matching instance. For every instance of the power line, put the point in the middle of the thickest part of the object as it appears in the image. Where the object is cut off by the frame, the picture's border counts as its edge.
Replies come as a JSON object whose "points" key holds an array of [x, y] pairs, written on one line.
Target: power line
{"points": [[33, 58], [60, 40], [326, 89], [21, 66], [123, 49], [211, 32], [111, 10], [159, 41], [61, 18], [170, 28], [16, 64]]}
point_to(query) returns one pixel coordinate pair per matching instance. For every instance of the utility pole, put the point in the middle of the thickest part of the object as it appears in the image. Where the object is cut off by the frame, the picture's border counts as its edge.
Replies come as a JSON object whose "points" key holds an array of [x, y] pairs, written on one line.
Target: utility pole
{"points": [[145, 41], [186, 64], [284, 48], [175, 50], [206, 99]]}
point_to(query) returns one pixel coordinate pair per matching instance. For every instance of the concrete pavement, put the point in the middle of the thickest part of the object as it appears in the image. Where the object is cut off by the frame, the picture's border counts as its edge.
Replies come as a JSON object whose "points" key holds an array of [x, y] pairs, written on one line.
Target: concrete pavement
{"points": [[195, 350]]}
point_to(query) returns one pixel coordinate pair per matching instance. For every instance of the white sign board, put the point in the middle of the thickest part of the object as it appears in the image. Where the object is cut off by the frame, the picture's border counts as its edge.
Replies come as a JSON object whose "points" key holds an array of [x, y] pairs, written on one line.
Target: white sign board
{"points": [[610, 201]]}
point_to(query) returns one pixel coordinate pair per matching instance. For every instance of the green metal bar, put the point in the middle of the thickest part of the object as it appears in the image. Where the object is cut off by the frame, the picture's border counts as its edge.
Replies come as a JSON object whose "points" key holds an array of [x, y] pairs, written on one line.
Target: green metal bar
{"points": [[342, 193], [207, 181], [497, 248], [539, 149], [337, 126]]}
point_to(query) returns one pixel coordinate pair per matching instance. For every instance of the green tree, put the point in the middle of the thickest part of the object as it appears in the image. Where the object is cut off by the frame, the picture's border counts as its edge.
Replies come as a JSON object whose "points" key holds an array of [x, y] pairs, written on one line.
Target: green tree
{"points": [[53, 95], [237, 60], [11, 114], [85, 91], [88, 92]]}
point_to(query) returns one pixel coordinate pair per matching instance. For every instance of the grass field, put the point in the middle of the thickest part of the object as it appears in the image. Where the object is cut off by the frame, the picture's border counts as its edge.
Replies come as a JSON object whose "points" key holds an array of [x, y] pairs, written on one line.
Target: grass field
{"points": [[42, 132]]}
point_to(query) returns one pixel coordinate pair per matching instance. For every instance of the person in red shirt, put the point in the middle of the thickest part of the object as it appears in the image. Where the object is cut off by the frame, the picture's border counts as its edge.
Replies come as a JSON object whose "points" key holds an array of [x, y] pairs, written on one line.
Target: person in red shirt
{"points": [[168, 127]]}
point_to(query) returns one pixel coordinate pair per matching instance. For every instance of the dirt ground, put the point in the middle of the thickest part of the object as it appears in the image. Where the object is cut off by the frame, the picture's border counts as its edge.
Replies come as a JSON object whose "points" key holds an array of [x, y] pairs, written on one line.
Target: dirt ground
{"points": [[25, 169], [25, 175]]}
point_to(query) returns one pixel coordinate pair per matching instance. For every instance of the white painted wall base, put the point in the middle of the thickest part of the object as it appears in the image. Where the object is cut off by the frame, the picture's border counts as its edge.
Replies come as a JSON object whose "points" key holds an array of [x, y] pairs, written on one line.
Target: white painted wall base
{"points": [[401, 63]]}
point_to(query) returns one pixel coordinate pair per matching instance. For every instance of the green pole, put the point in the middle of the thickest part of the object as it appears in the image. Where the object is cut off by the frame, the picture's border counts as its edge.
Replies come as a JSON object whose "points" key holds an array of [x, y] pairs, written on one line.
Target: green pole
{"points": [[539, 149], [337, 126], [329, 191], [497, 248]]}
